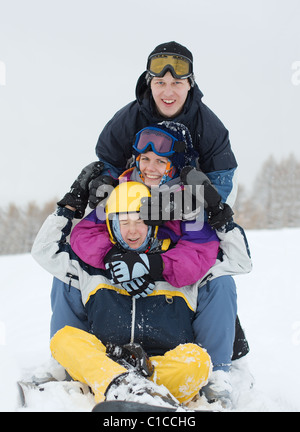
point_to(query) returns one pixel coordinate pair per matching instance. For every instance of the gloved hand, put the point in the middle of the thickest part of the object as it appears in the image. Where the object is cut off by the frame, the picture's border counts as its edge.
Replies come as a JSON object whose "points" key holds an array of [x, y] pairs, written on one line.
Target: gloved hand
{"points": [[165, 204], [79, 192], [139, 287], [218, 217], [100, 189], [126, 266], [218, 213]]}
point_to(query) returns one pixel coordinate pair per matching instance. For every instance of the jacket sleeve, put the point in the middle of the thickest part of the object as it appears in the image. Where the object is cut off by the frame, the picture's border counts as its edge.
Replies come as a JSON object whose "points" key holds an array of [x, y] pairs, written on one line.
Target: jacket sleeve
{"points": [[194, 254], [214, 147], [51, 250], [226, 184], [90, 240], [236, 257], [216, 157]]}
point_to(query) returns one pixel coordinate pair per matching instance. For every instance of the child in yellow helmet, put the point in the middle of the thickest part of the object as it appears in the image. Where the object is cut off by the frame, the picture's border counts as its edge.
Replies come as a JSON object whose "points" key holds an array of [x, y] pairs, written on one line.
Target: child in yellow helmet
{"points": [[161, 321]]}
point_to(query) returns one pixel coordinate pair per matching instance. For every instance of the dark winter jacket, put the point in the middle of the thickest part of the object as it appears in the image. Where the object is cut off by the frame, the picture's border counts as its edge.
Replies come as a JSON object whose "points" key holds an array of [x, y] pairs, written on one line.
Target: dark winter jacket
{"points": [[210, 137]]}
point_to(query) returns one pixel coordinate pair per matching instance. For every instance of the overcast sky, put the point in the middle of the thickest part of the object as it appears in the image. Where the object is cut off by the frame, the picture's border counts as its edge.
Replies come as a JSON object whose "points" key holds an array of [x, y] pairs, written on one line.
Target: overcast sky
{"points": [[66, 66]]}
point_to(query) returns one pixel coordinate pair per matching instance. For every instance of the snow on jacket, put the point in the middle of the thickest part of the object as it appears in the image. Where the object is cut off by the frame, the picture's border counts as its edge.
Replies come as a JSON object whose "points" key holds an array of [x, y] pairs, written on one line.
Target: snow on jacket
{"points": [[210, 137], [160, 321]]}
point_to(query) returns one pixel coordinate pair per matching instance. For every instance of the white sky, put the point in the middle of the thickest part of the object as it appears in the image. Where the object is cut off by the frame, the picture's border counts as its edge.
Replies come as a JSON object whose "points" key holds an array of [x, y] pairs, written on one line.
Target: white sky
{"points": [[69, 65]]}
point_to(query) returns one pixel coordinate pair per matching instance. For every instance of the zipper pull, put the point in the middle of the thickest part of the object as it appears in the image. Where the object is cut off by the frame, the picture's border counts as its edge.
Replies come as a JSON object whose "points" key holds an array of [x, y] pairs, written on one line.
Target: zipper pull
{"points": [[71, 276]]}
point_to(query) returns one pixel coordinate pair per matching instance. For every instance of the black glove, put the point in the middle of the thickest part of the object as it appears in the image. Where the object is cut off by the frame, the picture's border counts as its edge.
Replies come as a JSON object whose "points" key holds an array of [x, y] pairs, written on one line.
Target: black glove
{"points": [[218, 217], [126, 266], [100, 189], [218, 213], [165, 204], [133, 354], [79, 193]]}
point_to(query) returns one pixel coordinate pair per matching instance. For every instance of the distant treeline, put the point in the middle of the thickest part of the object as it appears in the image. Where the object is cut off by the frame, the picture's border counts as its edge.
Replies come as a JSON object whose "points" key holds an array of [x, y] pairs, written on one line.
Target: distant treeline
{"points": [[274, 201], [19, 226]]}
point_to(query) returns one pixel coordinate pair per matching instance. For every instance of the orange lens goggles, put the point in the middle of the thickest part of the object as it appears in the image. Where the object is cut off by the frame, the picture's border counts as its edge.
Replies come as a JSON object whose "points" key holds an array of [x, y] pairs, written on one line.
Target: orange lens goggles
{"points": [[179, 66]]}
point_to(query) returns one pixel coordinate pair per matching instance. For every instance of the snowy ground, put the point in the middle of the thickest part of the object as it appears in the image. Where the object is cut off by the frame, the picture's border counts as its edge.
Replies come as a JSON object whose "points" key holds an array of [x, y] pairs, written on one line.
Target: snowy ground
{"points": [[268, 301]]}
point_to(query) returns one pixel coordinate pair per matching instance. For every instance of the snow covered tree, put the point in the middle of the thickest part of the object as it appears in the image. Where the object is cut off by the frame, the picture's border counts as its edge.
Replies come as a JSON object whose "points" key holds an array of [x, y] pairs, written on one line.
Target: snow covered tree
{"points": [[275, 198], [19, 226]]}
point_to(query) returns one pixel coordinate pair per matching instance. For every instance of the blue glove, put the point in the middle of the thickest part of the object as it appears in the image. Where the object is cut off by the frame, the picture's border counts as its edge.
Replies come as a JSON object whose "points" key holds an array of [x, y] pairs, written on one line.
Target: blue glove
{"points": [[139, 287]]}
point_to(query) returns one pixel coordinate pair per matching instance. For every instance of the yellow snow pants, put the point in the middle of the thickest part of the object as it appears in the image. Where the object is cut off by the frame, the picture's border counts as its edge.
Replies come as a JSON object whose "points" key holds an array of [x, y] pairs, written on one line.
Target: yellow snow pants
{"points": [[182, 370]]}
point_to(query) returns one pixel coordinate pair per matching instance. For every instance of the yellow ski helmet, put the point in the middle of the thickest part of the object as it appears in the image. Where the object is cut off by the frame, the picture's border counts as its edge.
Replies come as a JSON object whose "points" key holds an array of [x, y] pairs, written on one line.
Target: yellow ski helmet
{"points": [[125, 198]]}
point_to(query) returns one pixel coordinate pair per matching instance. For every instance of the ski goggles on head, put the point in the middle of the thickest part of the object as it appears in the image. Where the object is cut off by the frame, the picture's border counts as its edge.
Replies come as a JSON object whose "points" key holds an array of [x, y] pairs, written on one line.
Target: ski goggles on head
{"points": [[180, 67], [162, 143]]}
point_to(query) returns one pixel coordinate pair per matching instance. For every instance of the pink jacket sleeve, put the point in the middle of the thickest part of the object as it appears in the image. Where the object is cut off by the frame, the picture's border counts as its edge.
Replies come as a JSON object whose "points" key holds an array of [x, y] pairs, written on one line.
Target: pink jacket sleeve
{"points": [[91, 242], [194, 254], [187, 263]]}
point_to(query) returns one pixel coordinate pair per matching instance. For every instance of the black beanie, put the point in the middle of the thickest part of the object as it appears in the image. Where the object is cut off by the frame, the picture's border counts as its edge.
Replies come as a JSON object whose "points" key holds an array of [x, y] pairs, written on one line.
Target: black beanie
{"points": [[172, 48]]}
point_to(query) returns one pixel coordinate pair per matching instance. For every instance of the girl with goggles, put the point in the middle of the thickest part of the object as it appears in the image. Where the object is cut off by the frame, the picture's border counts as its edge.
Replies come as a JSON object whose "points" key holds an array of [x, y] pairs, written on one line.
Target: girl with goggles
{"points": [[162, 143], [168, 140]]}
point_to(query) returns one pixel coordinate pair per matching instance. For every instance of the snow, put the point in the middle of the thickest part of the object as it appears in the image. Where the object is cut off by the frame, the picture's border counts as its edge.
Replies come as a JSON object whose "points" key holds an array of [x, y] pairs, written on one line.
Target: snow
{"points": [[268, 302]]}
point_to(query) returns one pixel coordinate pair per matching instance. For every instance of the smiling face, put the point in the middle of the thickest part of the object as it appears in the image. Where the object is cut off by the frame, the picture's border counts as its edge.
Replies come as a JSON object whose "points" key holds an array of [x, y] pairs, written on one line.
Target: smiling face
{"points": [[153, 168], [169, 94], [133, 229]]}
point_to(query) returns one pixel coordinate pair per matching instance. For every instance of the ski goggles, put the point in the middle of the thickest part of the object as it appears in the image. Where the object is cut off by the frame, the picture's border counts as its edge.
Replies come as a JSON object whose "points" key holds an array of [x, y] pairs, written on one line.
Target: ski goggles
{"points": [[162, 143], [181, 67]]}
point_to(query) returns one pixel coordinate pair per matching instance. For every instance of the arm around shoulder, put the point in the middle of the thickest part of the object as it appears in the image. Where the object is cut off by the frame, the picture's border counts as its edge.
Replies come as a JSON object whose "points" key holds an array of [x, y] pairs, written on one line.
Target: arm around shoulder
{"points": [[50, 248], [235, 248]]}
